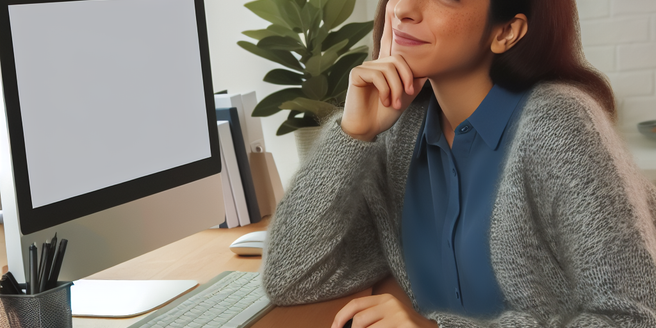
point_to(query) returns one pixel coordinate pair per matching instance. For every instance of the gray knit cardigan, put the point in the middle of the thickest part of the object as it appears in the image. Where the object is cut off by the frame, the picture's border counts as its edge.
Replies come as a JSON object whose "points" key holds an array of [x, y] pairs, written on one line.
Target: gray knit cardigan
{"points": [[572, 236]]}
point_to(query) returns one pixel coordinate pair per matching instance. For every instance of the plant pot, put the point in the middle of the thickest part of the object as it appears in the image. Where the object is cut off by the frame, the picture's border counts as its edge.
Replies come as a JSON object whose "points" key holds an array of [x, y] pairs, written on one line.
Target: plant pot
{"points": [[305, 138]]}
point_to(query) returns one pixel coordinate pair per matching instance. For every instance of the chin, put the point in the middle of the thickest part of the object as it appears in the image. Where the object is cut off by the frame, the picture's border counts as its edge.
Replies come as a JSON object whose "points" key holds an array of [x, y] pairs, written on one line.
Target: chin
{"points": [[415, 61], [418, 69]]}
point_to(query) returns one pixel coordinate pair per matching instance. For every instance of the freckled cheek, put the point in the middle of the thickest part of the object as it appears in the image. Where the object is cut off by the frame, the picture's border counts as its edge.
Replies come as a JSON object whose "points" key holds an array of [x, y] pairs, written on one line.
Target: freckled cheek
{"points": [[460, 25], [445, 38], [461, 35], [454, 27], [475, 25]]}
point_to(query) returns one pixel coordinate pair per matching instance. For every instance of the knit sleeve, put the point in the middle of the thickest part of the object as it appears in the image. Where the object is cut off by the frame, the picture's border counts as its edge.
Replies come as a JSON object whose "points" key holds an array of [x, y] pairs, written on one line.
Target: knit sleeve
{"points": [[322, 242], [578, 248]]}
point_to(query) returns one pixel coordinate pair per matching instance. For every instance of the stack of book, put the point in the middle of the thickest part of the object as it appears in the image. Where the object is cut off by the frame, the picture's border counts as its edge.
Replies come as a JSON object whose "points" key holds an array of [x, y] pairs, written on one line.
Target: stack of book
{"points": [[251, 184]]}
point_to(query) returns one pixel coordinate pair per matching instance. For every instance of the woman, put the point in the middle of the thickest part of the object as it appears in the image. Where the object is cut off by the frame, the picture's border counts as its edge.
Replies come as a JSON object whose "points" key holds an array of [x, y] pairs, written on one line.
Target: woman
{"points": [[497, 196]]}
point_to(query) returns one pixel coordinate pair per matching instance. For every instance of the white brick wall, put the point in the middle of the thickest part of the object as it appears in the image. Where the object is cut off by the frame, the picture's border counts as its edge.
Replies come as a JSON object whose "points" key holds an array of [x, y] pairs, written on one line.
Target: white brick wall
{"points": [[632, 7], [593, 8], [619, 39]]}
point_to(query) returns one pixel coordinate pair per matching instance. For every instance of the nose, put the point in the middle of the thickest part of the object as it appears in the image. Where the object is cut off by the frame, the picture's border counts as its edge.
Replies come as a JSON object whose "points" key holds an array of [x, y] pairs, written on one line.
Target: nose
{"points": [[408, 10]]}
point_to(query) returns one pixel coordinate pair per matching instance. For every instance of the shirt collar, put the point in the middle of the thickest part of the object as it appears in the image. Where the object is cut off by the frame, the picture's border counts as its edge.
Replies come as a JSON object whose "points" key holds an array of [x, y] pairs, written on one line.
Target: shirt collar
{"points": [[489, 119], [493, 114], [431, 130]]}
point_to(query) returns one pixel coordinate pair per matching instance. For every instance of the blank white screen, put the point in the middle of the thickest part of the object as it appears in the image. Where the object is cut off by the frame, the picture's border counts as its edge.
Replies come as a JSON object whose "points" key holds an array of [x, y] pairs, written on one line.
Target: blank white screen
{"points": [[106, 98]]}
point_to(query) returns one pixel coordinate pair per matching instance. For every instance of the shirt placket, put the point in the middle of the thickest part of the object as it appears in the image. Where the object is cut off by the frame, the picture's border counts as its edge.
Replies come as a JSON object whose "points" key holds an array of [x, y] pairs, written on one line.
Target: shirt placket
{"points": [[450, 269], [450, 157]]}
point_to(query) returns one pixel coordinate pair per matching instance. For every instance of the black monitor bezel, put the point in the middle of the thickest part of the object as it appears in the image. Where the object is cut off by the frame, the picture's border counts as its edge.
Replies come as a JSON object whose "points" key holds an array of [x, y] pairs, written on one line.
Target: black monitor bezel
{"points": [[35, 219]]}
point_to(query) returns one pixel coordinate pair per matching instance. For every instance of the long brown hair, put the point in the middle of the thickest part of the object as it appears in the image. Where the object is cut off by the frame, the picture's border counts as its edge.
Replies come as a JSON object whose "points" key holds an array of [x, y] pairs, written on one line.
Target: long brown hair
{"points": [[550, 51]]}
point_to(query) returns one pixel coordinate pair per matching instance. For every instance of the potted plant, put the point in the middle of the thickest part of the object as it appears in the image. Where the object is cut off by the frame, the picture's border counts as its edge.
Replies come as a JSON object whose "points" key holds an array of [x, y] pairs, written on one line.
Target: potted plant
{"points": [[318, 58]]}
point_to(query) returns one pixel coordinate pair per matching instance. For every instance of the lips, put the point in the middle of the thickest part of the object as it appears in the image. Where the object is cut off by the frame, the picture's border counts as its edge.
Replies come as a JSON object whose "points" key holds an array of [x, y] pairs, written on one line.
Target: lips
{"points": [[406, 39]]}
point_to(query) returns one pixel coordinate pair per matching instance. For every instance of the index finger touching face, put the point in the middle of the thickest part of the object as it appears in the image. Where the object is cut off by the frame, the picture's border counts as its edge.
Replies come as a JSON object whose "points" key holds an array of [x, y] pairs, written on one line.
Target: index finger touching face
{"points": [[386, 38]]}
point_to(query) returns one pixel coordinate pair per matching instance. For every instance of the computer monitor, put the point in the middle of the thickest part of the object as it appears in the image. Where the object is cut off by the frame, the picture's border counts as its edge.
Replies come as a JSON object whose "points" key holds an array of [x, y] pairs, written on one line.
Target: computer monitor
{"points": [[109, 135]]}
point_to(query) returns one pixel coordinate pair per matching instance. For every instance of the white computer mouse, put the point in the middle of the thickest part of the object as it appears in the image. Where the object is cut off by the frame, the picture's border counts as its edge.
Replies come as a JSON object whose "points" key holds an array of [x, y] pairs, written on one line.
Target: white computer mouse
{"points": [[249, 244]]}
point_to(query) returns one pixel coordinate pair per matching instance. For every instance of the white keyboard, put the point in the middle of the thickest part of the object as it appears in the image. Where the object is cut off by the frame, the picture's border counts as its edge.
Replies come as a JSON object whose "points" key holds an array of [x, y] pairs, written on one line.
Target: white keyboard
{"points": [[230, 300]]}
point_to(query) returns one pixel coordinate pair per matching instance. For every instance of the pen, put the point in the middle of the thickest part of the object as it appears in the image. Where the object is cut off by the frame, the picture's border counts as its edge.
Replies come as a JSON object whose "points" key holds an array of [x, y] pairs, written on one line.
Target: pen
{"points": [[39, 269], [53, 246], [49, 264], [45, 253], [32, 283], [56, 267], [43, 284]]}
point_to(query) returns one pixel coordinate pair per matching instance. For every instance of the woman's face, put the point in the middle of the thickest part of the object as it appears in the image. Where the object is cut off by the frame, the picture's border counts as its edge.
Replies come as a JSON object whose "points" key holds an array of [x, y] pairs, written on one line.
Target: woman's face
{"points": [[439, 37]]}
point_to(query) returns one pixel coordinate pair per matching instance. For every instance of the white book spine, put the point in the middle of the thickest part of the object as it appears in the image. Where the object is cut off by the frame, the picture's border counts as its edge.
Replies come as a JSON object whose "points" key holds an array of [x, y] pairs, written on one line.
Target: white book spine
{"points": [[235, 100], [232, 169], [232, 220]]}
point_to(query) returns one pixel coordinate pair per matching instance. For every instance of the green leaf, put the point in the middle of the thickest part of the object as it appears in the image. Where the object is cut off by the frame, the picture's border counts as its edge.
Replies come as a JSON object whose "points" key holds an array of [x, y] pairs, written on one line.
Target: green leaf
{"points": [[319, 63], [268, 10], [271, 104], [318, 3], [335, 12], [280, 43], [337, 47], [283, 77], [283, 31], [258, 34], [314, 65], [281, 57], [281, 3], [292, 12], [300, 3], [316, 39], [358, 50], [316, 87], [311, 17], [294, 124], [339, 73], [353, 32], [316, 107]]}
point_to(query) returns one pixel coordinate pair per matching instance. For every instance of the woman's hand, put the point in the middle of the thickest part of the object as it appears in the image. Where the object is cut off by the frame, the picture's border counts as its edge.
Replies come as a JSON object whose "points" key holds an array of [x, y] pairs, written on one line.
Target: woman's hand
{"points": [[380, 311], [379, 91]]}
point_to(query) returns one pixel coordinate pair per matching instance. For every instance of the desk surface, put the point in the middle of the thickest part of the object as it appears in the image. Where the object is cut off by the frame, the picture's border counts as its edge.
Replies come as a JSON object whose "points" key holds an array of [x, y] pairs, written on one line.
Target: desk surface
{"points": [[201, 257]]}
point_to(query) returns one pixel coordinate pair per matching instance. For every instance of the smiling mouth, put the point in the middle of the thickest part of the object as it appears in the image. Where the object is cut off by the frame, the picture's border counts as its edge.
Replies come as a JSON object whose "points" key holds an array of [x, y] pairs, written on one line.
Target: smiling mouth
{"points": [[406, 39]]}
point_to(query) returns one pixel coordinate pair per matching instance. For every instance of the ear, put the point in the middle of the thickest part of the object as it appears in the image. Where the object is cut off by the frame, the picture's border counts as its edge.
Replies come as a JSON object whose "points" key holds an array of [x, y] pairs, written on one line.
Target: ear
{"points": [[505, 36]]}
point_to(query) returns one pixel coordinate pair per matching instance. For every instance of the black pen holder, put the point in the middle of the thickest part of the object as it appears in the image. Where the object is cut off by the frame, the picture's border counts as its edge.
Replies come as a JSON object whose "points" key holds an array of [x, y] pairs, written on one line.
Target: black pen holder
{"points": [[49, 309]]}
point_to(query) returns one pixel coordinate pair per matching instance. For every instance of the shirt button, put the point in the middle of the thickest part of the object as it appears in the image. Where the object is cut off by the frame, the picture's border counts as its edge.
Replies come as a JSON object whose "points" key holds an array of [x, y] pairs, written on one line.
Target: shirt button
{"points": [[454, 172], [464, 129], [457, 293]]}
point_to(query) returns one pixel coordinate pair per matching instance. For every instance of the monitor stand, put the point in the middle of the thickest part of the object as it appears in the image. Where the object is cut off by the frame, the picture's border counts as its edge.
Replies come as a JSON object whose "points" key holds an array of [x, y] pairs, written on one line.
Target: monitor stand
{"points": [[124, 298]]}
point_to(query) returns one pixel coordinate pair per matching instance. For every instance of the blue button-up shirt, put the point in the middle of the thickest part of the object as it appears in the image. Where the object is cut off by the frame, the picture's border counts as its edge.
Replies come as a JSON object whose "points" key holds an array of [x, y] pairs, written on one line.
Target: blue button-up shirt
{"points": [[448, 204]]}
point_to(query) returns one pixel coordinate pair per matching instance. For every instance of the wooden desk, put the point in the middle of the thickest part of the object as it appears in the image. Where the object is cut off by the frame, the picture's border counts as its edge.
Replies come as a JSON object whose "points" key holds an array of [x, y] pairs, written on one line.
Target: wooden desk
{"points": [[206, 254]]}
